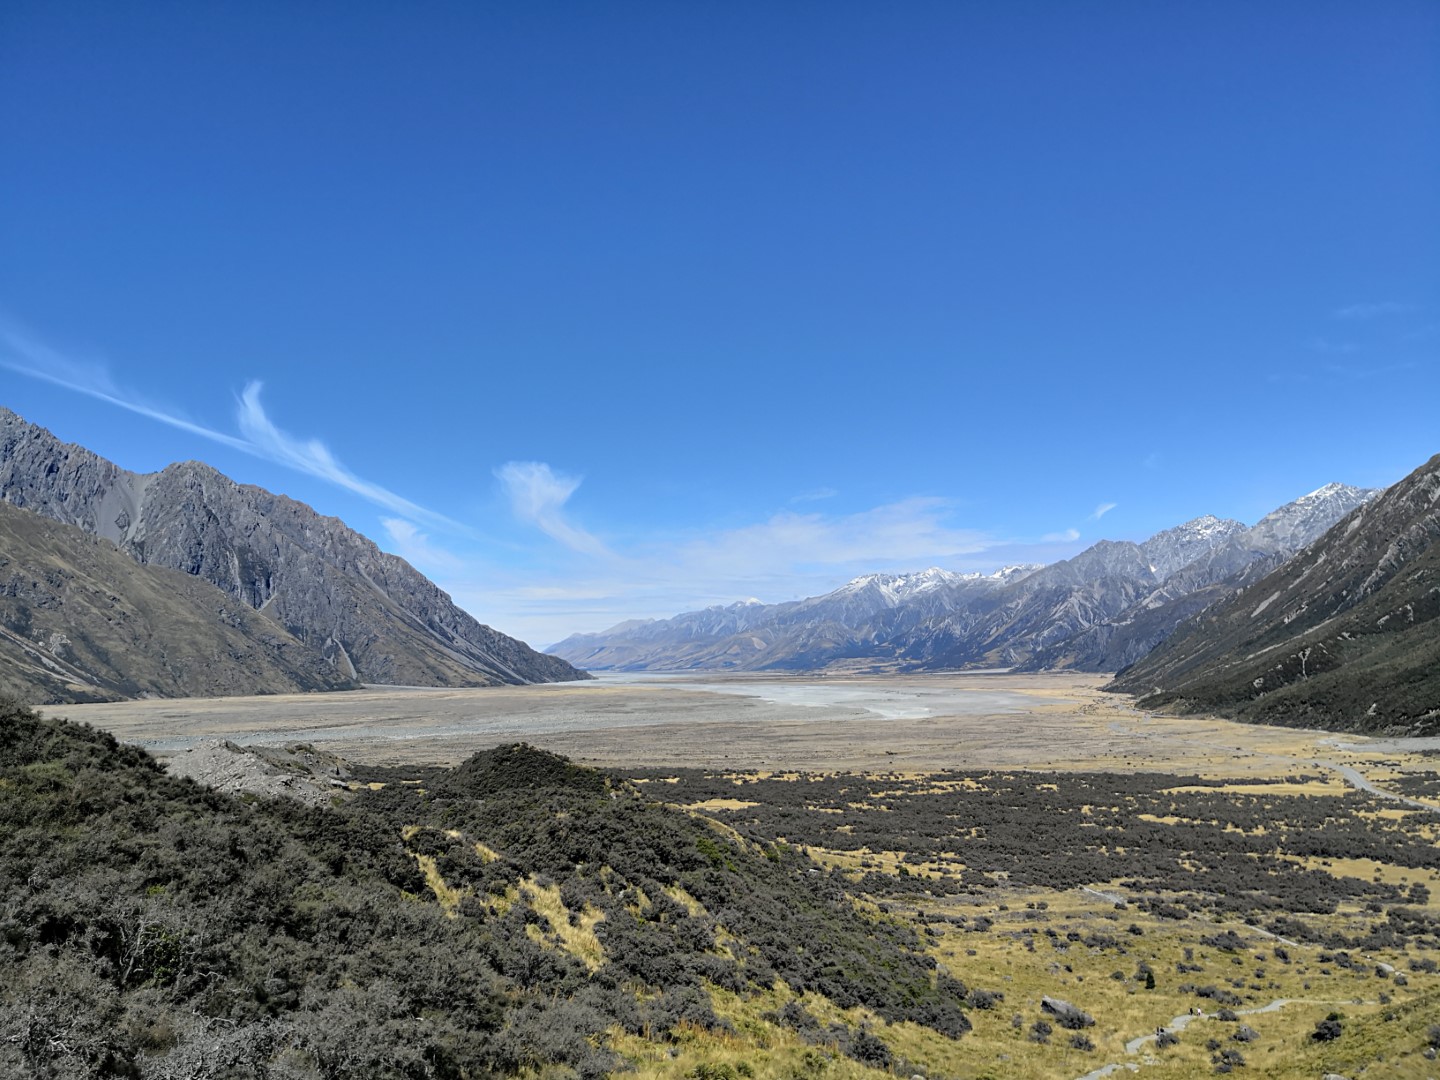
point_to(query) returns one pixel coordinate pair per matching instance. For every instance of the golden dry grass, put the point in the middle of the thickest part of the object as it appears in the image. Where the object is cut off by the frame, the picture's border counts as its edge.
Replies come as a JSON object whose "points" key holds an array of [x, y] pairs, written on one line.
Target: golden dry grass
{"points": [[576, 937]]}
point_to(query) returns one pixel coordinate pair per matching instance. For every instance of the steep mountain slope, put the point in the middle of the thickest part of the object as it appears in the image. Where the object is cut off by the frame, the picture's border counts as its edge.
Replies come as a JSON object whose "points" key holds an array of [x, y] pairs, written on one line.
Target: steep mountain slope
{"points": [[370, 614], [1223, 556], [80, 621], [1343, 635]]}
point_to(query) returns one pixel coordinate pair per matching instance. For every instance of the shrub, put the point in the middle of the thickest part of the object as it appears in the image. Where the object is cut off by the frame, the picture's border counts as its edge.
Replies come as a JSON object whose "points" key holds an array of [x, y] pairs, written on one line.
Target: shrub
{"points": [[983, 999], [868, 1049], [1227, 1060]]}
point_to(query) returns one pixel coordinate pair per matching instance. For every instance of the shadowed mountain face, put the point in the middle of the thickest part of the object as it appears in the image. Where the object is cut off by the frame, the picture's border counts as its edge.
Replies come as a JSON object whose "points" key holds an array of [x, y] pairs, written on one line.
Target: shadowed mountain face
{"points": [[371, 615], [1344, 635], [80, 621], [1101, 610]]}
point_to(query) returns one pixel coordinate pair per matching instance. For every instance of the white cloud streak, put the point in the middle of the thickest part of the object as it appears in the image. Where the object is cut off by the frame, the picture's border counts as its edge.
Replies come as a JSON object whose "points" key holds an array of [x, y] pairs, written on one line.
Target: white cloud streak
{"points": [[412, 545], [311, 456], [1101, 510], [818, 495], [786, 556], [1372, 311], [538, 494], [897, 533], [1066, 537], [25, 355]]}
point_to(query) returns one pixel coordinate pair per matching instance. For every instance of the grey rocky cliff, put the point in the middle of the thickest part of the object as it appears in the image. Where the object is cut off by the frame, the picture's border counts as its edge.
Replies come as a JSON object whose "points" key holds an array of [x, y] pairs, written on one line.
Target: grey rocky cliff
{"points": [[82, 621], [370, 614]]}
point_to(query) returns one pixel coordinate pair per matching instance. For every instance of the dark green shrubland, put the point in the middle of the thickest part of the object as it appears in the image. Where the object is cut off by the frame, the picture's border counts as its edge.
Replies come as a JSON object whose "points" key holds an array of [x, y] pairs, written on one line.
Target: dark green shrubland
{"points": [[153, 928]]}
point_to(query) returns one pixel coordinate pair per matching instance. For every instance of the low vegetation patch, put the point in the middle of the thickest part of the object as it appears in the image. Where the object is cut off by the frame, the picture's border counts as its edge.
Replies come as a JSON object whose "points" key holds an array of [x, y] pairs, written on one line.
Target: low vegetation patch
{"points": [[517, 915]]}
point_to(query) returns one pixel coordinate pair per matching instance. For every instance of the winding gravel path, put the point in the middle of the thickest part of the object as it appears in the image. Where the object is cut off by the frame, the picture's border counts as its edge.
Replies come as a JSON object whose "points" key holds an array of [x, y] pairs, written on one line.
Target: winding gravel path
{"points": [[1356, 779], [1181, 1022]]}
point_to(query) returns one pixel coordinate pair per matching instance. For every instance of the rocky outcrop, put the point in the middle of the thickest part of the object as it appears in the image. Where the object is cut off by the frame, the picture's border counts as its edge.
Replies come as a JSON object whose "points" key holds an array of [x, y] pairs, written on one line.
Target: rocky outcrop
{"points": [[81, 621], [370, 614]]}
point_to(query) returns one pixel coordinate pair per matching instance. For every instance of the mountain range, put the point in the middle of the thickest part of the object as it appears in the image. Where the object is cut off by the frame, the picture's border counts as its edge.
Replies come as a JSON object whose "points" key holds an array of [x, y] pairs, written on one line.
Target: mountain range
{"points": [[366, 615], [1343, 635], [1099, 611]]}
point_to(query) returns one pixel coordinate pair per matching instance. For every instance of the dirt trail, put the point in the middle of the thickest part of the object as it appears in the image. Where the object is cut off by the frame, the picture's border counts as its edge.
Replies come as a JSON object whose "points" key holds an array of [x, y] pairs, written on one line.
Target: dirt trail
{"points": [[1181, 1022]]}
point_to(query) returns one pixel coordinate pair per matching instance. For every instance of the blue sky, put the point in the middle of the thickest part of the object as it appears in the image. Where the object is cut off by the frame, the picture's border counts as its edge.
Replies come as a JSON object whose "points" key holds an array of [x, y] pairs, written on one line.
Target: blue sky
{"points": [[605, 310]]}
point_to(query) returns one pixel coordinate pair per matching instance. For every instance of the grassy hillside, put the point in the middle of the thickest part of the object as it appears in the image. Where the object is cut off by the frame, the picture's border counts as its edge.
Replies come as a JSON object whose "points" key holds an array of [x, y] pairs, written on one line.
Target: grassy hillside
{"points": [[517, 916]]}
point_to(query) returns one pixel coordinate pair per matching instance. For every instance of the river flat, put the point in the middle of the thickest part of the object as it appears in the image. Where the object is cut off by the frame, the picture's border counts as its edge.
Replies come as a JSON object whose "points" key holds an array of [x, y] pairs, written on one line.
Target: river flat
{"points": [[911, 723]]}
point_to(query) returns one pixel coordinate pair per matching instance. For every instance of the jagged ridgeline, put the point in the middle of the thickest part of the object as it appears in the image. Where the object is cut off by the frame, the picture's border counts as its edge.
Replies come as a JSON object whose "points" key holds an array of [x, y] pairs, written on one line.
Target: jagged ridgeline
{"points": [[366, 614], [516, 915], [1345, 635], [1100, 611]]}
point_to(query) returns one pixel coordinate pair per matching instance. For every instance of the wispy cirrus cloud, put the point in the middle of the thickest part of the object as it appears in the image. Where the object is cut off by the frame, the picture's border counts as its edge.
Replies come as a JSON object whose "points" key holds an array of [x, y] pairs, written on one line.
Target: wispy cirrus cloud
{"points": [[899, 533], [819, 494], [25, 354], [538, 495], [416, 548], [264, 439], [1101, 510], [1372, 310], [785, 556]]}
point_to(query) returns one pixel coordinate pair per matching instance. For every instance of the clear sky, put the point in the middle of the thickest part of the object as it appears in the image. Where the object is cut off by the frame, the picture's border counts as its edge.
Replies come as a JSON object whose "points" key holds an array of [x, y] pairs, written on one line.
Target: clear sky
{"points": [[602, 310]]}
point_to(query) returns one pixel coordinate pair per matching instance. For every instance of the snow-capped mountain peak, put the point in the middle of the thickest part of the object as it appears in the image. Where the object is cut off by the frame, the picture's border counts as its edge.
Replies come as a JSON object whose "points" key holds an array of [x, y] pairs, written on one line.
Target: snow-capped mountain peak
{"points": [[1007, 575], [1296, 524], [1174, 548], [901, 586]]}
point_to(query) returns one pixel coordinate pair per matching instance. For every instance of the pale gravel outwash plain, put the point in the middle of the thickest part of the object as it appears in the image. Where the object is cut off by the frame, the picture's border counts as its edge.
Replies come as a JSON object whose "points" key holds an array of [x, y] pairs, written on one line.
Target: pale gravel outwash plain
{"points": [[909, 723]]}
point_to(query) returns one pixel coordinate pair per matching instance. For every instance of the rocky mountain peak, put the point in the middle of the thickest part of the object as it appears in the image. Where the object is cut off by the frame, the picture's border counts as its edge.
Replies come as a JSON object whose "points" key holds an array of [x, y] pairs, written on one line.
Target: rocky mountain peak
{"points": [[1297, 524], [1175, 548], [370, 614]]}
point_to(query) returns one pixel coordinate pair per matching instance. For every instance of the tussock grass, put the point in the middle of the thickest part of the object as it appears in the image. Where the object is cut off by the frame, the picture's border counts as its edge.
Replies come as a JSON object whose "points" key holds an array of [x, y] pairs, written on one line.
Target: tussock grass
{"points": [[448, 898], [577, 936]]}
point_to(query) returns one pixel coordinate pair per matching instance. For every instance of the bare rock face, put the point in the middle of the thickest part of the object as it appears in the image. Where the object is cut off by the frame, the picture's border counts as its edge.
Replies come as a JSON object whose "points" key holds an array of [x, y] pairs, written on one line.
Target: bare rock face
{"points": [[1066, 1015], [81, 621], [371, 615]]}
